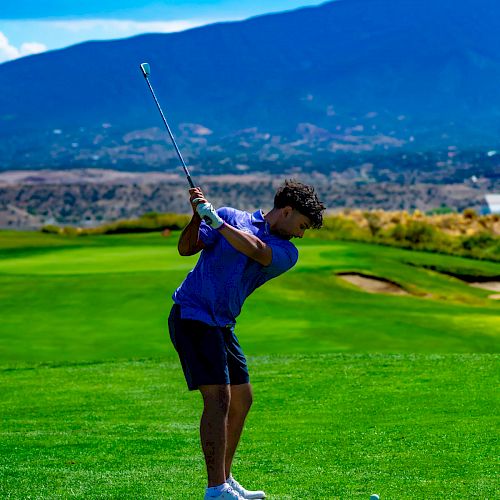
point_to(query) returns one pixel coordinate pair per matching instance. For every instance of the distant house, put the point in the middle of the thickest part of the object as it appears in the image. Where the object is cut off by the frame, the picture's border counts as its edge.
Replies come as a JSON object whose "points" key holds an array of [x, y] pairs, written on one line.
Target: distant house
{"points": [[492, 204]]}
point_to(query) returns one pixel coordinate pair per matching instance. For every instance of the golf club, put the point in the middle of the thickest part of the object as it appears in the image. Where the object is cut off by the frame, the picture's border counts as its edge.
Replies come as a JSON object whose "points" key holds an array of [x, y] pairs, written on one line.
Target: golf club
{"points": [[146, 71]]}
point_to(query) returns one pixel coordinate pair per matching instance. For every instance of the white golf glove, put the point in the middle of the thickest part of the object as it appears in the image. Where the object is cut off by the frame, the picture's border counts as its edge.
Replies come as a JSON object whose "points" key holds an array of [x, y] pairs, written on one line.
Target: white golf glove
{"points": [[207, 212]]}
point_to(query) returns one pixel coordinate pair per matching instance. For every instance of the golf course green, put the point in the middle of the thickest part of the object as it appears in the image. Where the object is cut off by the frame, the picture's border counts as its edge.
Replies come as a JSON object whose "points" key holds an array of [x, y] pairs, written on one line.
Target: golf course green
{"points": [[355, 392]]}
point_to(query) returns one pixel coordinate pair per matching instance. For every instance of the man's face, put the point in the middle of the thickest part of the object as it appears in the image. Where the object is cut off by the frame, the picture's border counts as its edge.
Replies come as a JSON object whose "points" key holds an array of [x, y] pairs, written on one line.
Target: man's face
{"points": [[291, 224]]}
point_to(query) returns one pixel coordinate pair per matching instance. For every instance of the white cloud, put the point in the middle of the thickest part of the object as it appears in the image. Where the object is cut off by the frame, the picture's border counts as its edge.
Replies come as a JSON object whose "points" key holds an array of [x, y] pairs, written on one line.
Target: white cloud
{"points": [[124, 27], [29, 48], [9, 52]]}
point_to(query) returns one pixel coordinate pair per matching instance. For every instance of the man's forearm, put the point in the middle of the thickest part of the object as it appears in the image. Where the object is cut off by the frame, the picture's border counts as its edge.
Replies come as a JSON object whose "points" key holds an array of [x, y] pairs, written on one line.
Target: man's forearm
{"points": [[247, 244], [189, 242]]}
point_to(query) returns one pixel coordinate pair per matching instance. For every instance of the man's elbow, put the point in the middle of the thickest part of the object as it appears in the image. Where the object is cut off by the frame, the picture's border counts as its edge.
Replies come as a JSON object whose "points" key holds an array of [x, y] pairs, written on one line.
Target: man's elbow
{"points": [[187, 251], [183, 249], [263, 256]]}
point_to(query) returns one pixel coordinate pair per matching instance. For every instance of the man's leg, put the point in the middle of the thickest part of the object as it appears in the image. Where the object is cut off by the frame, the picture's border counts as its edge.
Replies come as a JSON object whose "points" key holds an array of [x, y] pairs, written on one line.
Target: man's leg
{"points": [[213, 430], [241, 401]]}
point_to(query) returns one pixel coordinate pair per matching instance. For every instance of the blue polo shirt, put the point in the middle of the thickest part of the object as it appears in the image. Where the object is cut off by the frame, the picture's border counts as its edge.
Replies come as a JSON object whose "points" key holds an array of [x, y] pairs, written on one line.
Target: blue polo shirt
{"points": [[214, 291]]}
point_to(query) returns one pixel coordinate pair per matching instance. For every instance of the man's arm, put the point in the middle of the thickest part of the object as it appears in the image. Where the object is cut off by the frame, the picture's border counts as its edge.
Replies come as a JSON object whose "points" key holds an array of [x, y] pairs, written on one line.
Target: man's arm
{"points": [[189, 241], [247, 244]]}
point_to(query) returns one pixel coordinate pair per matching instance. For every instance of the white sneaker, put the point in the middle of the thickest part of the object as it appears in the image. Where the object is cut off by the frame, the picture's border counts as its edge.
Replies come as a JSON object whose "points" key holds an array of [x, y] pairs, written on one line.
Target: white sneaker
{"points": [[242, 491], [228, 493]]}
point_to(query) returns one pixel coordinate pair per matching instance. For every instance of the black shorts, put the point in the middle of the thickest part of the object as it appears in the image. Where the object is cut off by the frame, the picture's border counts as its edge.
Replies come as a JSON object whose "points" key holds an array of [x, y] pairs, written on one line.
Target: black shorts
{"points": [[210, 355]]}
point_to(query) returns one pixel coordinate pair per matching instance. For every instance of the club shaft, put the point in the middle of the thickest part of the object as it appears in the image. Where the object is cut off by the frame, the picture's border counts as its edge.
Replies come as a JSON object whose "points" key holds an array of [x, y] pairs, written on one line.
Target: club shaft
{"points": [[186, 171]]}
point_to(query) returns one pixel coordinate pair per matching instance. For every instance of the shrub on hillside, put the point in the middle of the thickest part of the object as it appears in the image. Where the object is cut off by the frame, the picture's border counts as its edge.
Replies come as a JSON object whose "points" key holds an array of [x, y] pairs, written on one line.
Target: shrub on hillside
{"points": [[147, 223], [470, 213], [457, 234], [481, 240], [416, 234], [66, 230], [442, 210], [51, 229], [340, 227], [419, 232], [375, 223]]}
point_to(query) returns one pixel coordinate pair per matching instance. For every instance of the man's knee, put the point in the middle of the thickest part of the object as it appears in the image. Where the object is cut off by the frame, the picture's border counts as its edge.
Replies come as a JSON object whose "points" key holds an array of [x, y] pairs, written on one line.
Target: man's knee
{"points": [[241, 397], [216, 397]]}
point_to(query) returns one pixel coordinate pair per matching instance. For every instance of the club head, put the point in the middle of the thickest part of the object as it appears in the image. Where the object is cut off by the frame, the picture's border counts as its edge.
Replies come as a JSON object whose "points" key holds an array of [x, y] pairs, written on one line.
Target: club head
{"points": [[146, 70]]}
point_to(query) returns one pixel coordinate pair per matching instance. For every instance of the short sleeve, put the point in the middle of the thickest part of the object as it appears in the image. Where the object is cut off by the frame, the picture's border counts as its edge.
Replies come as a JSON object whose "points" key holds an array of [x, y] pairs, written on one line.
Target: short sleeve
{"points": [[284, 257], [210, 236]]}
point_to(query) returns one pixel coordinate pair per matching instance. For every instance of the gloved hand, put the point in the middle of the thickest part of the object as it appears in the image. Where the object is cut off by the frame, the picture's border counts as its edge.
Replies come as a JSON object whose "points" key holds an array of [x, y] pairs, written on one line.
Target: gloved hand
{"points": [[207, 212]]}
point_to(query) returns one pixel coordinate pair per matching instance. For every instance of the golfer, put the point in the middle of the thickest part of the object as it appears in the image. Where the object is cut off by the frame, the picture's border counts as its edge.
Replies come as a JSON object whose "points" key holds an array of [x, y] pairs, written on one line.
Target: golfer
{"points": [[240, 251]]}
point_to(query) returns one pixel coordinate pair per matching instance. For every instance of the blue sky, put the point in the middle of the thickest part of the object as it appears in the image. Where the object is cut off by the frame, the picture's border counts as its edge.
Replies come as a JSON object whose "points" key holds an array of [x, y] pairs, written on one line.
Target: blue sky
{"points": [[33, 26]]}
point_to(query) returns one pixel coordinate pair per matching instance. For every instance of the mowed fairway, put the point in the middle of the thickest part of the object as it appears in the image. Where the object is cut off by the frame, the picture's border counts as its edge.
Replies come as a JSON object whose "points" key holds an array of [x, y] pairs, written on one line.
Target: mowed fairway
{"points": [[356, 393]]}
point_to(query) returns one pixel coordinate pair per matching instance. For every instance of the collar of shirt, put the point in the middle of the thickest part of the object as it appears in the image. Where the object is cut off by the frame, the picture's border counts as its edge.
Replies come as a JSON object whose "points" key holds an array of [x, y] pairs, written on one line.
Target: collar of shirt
{"points": [[258, 218]]}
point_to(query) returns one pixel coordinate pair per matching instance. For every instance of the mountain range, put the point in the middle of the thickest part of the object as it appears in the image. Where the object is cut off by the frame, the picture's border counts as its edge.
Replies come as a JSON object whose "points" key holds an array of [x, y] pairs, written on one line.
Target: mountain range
{"points": [[346, 83]]}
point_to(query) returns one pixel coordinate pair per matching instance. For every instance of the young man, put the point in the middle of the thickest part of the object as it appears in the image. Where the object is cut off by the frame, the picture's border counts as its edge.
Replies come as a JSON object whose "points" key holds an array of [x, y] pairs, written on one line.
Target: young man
{"points": [[239, 252]]}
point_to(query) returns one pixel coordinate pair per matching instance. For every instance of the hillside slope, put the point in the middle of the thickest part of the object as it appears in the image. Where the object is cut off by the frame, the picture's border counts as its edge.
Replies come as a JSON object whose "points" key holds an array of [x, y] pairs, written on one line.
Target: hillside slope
{"points": [[390, 74]]}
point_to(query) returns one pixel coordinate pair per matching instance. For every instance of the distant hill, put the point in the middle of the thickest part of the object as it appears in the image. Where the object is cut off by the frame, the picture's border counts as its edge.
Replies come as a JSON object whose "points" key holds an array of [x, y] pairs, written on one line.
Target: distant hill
{"points": [[350, 77]]}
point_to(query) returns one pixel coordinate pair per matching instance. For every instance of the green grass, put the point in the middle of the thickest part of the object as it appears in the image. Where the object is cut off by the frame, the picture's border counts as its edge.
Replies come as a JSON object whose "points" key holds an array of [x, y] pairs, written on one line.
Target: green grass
{"points": [[108, 297], [322, 427], [355, 393]]}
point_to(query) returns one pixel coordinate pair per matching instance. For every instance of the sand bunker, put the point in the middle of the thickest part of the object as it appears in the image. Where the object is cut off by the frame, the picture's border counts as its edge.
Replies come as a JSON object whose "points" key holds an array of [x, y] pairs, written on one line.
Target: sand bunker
{"points": [[487, 285], [372, 284], [485, 282], [494, 286]]}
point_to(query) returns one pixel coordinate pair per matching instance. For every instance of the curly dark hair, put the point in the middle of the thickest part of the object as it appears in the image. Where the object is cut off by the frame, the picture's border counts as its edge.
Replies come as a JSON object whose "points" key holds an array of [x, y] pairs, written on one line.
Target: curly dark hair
{"points": [[302, 198]]}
